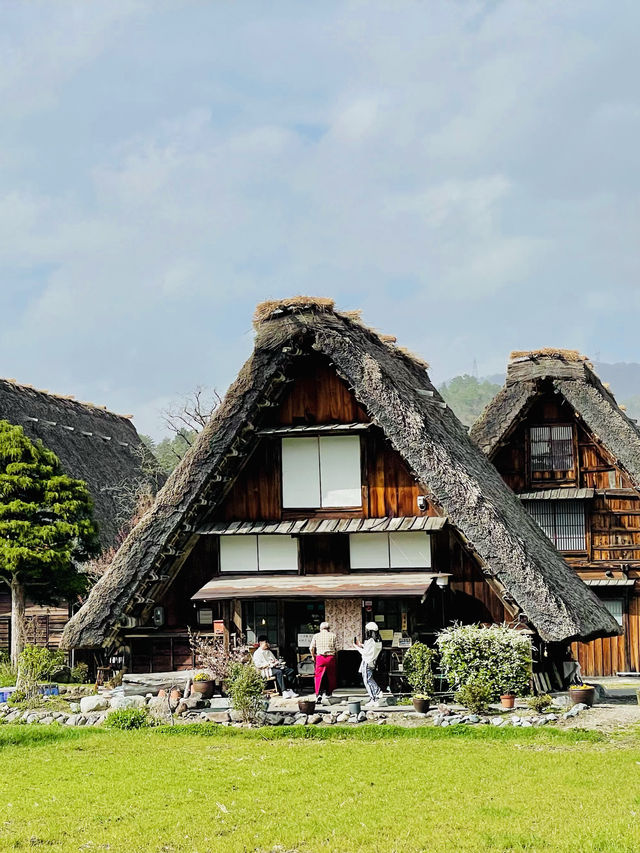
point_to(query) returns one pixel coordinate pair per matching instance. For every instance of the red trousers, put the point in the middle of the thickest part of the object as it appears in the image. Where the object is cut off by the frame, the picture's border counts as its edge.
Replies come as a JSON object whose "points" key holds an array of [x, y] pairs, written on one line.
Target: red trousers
{"points": [[326, 665]]}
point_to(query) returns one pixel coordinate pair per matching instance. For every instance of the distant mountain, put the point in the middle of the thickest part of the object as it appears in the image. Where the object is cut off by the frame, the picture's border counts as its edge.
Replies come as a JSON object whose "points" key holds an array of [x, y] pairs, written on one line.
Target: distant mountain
{"points": [[468, 395]]}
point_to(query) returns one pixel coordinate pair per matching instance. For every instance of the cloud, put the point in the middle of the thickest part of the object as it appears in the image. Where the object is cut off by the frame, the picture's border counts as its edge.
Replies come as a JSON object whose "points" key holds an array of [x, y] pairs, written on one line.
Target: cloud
{"points": [[460, 171]]}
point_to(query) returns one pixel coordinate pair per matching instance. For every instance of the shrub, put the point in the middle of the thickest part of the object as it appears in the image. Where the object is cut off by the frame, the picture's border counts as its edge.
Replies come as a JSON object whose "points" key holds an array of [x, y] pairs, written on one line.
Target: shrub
{"points": [[7, 672], [476, 695], [417, 665], [128, 718], [36, 664], [499, 657], [245, 686], [80, 673], [540, 703]]}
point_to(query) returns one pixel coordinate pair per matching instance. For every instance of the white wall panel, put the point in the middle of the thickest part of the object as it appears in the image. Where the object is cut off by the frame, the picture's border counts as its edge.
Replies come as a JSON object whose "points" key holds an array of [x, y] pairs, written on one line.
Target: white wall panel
{"points": [[300, 473], [340, 471]]}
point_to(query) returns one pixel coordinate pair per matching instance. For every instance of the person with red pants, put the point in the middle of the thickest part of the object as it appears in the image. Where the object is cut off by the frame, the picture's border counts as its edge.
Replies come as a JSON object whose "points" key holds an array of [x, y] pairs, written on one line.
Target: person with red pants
{"points": [[324, 650]]}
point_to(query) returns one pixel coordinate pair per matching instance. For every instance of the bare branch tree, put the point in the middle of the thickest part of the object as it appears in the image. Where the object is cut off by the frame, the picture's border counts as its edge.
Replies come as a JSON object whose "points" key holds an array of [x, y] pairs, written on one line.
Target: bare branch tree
{"points": [[189, 415]]}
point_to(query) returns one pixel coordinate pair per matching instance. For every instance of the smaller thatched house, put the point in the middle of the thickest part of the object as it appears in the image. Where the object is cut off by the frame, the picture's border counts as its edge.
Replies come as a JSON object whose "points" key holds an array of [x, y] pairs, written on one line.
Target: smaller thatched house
{"points": [[332, 482], [94, 445], [561, 442]]}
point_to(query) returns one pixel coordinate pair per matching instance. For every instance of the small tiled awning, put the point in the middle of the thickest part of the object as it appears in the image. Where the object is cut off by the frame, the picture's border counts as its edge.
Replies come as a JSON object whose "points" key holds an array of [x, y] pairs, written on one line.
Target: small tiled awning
{"points": [[330, 525], [314, 429], [558, 495], [354, 585], [610, 582]]}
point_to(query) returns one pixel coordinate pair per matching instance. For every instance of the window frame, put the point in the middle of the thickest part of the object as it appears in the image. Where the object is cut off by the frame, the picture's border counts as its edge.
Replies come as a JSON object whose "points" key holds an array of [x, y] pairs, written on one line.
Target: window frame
{"points": [[256, 537], [389, 565], [553, 507], [533, 471], [321, 506]]}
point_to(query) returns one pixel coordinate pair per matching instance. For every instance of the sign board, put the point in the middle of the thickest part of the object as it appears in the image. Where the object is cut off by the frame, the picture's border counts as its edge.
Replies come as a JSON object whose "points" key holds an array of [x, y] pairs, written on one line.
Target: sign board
{"points": [[304, 640]]}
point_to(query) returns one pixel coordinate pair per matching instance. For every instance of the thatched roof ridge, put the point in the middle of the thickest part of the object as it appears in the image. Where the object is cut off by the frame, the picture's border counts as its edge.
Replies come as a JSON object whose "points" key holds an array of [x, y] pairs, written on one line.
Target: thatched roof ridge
{"points": [[92, 443], [453, 472], [575, 379]]}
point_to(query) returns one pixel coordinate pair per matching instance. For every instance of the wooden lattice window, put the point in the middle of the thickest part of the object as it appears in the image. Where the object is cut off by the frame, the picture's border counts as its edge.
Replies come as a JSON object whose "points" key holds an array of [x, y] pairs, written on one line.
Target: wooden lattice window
{"points": [[563, 521], [551, 447]]}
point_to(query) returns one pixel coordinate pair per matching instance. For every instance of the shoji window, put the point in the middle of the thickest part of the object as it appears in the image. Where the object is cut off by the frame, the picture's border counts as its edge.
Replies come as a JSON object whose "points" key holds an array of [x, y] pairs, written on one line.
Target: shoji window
{"points": [[390, 550], [615, 606], [551, 447], [321, 472], [250, 553], [563, 521]]}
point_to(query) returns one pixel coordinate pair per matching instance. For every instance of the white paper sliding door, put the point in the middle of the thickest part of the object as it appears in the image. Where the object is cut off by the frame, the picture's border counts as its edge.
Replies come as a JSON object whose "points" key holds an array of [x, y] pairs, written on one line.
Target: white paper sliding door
{"points": [[369, 550], [340, 471], [410, 550], [300, 473], [239, 554], [277, 553]]}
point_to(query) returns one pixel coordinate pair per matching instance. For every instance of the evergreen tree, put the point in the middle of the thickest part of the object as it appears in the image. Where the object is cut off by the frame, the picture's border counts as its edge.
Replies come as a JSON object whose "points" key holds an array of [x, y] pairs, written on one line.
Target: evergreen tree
{"points": [[46, 527], [468, 396]]}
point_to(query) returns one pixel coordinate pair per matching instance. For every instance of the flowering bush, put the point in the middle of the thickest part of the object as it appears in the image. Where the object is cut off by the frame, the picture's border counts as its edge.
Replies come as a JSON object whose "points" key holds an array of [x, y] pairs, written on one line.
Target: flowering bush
{"points": [[211, 654], [417, 665], [498, 657]]}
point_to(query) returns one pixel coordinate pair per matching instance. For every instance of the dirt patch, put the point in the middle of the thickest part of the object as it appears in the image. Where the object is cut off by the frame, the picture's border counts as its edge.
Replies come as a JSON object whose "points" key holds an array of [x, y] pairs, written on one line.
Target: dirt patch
{"points": [[607, 716]]}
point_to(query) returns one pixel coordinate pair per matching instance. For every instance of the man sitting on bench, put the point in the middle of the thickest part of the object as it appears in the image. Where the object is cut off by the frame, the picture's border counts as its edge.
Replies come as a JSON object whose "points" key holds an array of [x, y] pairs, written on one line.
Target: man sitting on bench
{"points": [[269, 666]]}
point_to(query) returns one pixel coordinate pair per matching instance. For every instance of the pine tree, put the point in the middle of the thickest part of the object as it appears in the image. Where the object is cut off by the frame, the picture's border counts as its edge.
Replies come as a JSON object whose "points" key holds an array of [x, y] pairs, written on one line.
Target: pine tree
{"points": [[46, 527]]}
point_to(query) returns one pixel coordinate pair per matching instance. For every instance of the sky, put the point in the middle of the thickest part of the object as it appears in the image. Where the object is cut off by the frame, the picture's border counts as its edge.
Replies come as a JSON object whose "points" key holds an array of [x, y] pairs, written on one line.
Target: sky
{"points": [[466, 173]]}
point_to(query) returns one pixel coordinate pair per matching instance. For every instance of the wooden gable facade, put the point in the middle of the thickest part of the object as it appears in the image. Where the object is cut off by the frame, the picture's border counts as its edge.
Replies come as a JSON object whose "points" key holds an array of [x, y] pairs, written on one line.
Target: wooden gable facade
{"points": [[318, 403], [579, 492]]}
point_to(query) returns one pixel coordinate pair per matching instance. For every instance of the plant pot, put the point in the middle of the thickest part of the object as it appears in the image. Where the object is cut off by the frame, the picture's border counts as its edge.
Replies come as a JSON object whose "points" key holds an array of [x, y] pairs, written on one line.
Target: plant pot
{"points": [[306, 706], [204, 689], [420, 704], [584, 695], [353, 707], [508, 701]]}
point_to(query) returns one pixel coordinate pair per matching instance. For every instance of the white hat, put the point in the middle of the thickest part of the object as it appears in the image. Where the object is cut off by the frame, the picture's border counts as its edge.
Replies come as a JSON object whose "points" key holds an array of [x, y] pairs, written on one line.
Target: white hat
{"points": [[324, 625], [371, 626]]}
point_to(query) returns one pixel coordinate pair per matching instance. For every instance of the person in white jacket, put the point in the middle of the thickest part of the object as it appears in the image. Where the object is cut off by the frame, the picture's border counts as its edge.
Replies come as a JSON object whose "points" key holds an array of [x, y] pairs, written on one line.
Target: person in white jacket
{"points": [[370, 650]]}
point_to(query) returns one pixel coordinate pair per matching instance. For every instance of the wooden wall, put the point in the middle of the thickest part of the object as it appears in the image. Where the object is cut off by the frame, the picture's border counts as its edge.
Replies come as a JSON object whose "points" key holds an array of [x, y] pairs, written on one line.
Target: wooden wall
{"points": [[45, 624]]}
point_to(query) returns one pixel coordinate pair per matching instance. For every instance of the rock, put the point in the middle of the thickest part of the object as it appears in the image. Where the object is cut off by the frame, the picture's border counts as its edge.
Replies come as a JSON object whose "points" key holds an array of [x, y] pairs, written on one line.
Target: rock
{"points": [[343, 717], [301, 721], [46, 721], [158, 705], [32, 718], [221, 717], [454, 719], [100, 719], [314, 719], [12, 717], [93, 703], [444, 722], [72, 720], [81, 720], [74, 707], [551, 718], [515, 718], [353, 718], [437, 719], [517, 722], [235, 716], [433, 712], [472, 719], [362, 716], [526, 724], [121, 701], [444, 710], [580, 706], [497, 721], [330, 720], [219, 703], [382, 721], [542, 721], [387, 700], [289, 720]]}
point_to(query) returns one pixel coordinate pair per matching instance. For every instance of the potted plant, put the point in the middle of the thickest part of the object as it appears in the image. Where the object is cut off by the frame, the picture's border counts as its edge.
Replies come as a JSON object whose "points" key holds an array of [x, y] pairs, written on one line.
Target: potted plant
{"points": [[582, 694], [417, 665], [306, 705], [203, 685], [508, 699]]}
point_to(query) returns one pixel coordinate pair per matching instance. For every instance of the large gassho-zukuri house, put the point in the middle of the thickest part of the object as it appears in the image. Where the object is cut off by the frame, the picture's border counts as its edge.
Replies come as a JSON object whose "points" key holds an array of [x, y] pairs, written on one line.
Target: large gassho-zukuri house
{"points": [[332, 482], [561, 442], [94, 445]]}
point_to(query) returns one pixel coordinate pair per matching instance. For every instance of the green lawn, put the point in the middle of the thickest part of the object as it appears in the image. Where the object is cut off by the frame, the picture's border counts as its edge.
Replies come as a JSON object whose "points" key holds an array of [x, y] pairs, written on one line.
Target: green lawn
{"points": [[375, 789]]}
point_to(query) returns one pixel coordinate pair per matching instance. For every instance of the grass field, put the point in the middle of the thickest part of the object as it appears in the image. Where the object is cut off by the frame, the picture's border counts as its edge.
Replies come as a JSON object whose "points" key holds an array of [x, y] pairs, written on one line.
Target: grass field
{"points": [[372, 789]]}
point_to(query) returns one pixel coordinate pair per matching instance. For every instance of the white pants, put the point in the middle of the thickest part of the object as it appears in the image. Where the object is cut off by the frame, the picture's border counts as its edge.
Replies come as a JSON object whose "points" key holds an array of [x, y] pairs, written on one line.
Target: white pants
{"points": [[369, 682]]}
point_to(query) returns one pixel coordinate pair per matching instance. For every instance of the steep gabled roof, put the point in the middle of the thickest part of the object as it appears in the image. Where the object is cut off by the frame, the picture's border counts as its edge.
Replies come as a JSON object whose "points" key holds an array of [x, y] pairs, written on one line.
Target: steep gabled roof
{"points": [[394, 388], [572, 376], [93, 444]]}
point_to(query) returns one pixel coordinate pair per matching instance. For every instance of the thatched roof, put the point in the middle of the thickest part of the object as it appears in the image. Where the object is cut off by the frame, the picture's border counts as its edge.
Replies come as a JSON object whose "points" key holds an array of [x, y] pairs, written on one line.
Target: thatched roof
{"points": [[93, 444], [395, 390], [572, 376]]}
